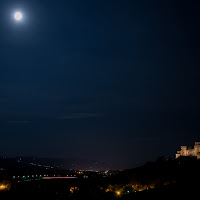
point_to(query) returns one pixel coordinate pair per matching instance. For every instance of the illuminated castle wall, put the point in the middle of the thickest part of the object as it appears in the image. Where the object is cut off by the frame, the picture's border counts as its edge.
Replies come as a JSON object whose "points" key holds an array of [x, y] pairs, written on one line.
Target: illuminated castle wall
{"points": [[188, 151]]}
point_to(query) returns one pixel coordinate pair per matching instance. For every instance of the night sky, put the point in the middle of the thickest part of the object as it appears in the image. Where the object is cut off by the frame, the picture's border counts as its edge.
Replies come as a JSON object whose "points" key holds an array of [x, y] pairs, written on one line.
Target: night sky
{"points": [[115, 81]]}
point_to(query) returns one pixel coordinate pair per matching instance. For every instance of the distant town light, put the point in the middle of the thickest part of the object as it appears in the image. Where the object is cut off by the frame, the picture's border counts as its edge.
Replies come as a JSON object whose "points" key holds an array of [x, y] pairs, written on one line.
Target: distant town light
{"points": [[2, 187], [118, 192]]}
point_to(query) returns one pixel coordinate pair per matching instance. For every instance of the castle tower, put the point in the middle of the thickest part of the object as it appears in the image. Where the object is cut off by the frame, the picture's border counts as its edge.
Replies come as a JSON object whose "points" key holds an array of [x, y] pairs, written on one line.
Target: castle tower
{"points": [[197, 147], [183, 150], [188, 151]]}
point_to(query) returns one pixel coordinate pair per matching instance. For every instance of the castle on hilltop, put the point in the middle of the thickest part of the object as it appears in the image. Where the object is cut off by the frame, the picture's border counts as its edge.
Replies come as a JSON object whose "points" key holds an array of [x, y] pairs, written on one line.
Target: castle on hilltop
{"points": [[189, 151]]}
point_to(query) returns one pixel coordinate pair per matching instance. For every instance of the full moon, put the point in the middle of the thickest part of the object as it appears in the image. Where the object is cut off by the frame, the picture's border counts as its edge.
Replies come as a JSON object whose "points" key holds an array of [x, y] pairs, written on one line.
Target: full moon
{"points": [[18, 16]]}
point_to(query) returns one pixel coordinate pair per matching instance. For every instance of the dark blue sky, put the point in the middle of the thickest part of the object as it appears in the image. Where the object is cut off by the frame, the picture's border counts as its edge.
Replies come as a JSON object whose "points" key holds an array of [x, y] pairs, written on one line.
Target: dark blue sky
{"points": [[116, 81]]}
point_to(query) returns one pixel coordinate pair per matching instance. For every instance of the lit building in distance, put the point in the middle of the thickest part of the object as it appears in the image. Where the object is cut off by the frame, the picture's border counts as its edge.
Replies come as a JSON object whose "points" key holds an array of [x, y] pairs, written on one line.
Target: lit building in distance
{"points": [[188, 151]]}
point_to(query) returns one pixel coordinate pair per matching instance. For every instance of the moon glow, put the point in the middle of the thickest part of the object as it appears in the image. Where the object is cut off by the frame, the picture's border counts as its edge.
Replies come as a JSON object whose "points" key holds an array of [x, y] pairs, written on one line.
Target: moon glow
{"points": [[18, 16]]}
